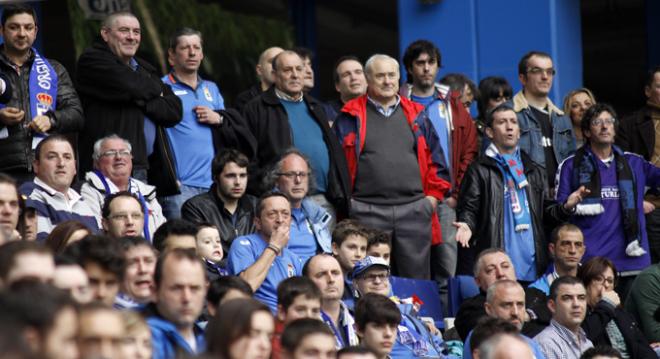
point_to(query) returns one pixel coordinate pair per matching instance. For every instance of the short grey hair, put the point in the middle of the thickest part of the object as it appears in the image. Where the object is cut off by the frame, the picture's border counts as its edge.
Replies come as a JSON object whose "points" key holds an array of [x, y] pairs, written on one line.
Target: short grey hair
{"points": [[479, 262], [370, 62], [488, 349], [490, 294], [97, 145], [273, 176], [110, 19]]}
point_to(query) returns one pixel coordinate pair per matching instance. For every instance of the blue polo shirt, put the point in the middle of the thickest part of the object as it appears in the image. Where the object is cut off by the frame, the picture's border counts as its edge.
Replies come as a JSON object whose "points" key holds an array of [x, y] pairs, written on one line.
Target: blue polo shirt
{"points": [[301, 238], [245, 250], [191, 141]]}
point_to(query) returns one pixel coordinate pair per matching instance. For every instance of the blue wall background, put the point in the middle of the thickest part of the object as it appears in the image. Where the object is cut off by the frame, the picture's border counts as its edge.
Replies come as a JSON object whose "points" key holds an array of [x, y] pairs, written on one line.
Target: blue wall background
{"points": [[482, 38]]}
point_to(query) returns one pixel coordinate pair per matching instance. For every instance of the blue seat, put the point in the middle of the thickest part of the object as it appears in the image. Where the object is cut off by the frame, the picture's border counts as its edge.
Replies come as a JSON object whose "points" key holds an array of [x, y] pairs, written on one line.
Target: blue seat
{"points": [[426, 290], [461, 287]]}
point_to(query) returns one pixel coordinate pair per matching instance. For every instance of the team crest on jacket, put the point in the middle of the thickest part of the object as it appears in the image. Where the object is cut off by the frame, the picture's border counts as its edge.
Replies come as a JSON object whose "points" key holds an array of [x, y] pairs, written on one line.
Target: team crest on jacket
{"points": [[291, 272]]}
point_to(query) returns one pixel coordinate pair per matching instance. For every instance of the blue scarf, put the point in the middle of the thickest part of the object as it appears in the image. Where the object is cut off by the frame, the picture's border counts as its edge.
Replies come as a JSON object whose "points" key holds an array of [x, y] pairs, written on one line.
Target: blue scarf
{"points": [[514, 183], [42, 88]]}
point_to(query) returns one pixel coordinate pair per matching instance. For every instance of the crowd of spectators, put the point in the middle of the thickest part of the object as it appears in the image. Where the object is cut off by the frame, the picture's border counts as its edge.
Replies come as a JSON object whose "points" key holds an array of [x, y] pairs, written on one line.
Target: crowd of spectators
{"points": [[143, 217]]}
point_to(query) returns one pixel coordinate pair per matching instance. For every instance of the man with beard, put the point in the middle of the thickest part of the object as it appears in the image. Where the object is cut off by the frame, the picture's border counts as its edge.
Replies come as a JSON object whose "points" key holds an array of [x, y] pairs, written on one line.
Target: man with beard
{"points": [[611, 213], [310, 223], [225, 205]]}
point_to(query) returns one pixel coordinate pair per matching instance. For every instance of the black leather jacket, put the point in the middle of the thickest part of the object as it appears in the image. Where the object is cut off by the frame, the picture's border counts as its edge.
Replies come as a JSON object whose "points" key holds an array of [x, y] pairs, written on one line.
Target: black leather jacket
{"points": [[16, 150], [481, 202], [208, 207]]}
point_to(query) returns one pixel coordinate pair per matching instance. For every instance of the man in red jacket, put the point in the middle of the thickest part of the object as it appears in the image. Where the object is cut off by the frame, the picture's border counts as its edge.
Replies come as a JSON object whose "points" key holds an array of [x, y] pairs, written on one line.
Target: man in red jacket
{"points": [[457, 133], [395, 181]]}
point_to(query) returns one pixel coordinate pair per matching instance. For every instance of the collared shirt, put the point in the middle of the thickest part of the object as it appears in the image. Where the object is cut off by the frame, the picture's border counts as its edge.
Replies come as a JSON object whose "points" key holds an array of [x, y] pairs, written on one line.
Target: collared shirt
{"points": [[385, 111], [282, 96], [556, 341], [246, 250], [54, 207]]}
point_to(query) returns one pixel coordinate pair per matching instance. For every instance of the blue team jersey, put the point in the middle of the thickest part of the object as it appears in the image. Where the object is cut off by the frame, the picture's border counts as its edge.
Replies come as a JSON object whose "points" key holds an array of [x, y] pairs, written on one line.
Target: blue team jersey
{"points": [[191, 141], [245, 250]]}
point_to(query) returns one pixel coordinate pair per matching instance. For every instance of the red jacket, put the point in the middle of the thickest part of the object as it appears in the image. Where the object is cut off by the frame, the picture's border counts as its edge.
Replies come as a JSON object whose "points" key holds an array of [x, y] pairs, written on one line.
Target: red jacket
{"points": [[463, 137], [352, 131]]}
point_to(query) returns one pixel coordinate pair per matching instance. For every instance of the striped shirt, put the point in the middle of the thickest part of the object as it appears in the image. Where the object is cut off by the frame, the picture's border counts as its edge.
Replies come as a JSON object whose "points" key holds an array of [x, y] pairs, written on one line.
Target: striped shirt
{"points": [[53, 207], [557, 342]]}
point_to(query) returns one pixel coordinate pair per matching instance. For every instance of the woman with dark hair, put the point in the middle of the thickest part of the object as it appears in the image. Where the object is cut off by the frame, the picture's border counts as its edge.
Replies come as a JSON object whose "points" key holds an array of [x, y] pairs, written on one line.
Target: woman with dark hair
{"points": [[242, 329], [606, 323], [576, 103], [493, 91], [66, 233]]}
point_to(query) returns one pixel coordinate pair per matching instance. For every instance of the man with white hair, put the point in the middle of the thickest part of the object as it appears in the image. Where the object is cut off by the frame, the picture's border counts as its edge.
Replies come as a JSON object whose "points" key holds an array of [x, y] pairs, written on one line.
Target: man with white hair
{"points": [[398, 183], [113, 163]]}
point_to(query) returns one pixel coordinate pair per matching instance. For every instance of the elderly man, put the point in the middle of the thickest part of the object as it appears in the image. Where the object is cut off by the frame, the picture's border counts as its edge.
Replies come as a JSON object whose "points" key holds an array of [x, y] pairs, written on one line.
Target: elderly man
{"points": [[285, 117], [263, 259], [122, 94], [51, 193], [564, 337], [505, 300], [264, 73], [395, 181], [180, 281], [43, 101], [113, 163], [310, 223]]}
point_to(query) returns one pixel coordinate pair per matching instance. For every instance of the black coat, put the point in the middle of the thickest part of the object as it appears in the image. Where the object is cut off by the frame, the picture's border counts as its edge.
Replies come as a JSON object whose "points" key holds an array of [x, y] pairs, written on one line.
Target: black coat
{"points": [[481, 202], [595, 323], [246, 96], [116, 100], [209, 208], [15, 150], [472, 309], [636, 133], [268, 121]]}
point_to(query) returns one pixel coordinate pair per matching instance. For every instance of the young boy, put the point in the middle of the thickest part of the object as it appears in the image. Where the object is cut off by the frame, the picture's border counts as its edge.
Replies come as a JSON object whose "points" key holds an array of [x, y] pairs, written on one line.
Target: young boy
{"points": [[297, 297], [349, 245], [379, 244], [376, 322], [308, 338], [209, 247]]}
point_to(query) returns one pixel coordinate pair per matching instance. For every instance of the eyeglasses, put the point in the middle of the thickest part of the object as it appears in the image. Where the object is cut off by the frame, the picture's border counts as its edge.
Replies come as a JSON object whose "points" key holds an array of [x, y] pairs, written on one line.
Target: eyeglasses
{"points": [[373, 276], [292, 175], [537, 71], [603, 121], [123, 217], [600, 280], [115, 153]]}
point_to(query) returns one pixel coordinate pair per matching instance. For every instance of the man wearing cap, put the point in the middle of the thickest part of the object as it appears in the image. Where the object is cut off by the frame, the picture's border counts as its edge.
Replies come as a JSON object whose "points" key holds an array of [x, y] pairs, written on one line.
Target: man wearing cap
{"points": [[414, 339]]}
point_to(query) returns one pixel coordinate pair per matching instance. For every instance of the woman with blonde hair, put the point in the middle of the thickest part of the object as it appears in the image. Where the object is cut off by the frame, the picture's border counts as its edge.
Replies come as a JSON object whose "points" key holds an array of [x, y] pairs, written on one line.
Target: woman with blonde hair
{"points": [[576, 104]]}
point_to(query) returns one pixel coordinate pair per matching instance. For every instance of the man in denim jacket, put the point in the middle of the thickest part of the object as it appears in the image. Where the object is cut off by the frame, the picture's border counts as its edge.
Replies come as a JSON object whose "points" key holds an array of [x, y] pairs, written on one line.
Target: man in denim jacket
{"points": [[546, 135]]}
